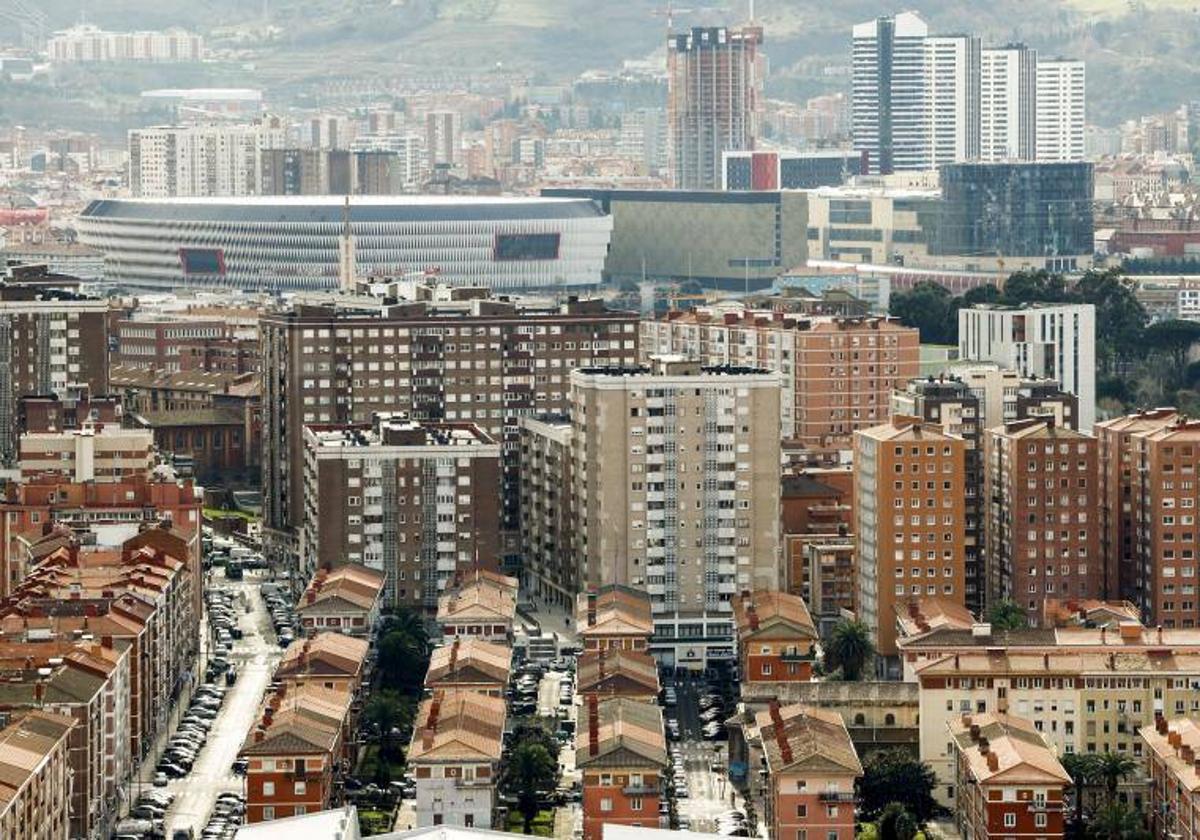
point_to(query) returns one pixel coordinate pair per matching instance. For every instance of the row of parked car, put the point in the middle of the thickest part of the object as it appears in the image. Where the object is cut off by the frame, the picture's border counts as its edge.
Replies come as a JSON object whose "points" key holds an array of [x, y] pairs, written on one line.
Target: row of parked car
{"points": [[191, 734], [226, 817], [146, 817], [283, 614], [223, 610]]}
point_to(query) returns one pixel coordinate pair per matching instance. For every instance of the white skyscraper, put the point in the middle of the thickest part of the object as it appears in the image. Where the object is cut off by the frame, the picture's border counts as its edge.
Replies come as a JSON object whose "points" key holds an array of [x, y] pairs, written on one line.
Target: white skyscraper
{"points": [[1060, 109], [952, 99], [888, 92], [1008, 103], [200, 160]]}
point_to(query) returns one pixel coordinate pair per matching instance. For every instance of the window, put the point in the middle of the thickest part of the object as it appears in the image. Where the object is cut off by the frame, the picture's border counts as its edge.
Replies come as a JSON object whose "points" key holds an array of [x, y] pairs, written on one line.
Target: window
{"points": [[802, 811], [606, 804], [525, 246], [268, 813], [1010, 820], [268, 788], [635, 803], [301, 788]]}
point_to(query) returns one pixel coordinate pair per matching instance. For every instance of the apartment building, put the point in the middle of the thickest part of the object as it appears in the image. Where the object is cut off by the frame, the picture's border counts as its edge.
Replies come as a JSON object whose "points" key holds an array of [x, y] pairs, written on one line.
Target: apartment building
{"points": [[99, 452], [1008, 103], [811, 769], [51, 339], [1093, 701], [36, 786], [621, 753], [909, 496], [479, 604], [88, 43], [346, 599], [775, 636], [1006, 395], [545, 485], [1061, 112], [838, 373], [1047, 341], [463, 357], [330, 660], [1118, 477], [469, 665], [180, 344], [614, 617], [454, 757], [203, 160], [1008, 781], [953, 405], [1165, 496], [1043, 535], [617, 672], [415, 502], [296, 752], [61, 412], [826, 567], [1173, 771], [640, 519]]}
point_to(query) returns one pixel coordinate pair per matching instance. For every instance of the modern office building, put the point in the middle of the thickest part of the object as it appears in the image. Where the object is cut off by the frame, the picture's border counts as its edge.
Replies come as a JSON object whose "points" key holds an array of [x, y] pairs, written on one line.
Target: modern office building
{"points": [[888, 93], [347, 359], [415, 501], [732, 240], [1061, 115], [293, 243], [715, 82], [777, 170], [215, 159], [952, 107], [1041, 491], [838, 373], [909, 492], [676, 491], [1048, 341], [1008, 103]]}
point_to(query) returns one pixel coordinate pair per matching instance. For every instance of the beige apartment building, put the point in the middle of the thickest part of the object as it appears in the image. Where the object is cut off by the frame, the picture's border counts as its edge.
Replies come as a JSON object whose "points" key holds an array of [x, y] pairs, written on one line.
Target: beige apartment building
{"points": [[910, 503], [415, 501], [97, 452], [35, 778], [549, 571], [675, 470], [838, 373]]}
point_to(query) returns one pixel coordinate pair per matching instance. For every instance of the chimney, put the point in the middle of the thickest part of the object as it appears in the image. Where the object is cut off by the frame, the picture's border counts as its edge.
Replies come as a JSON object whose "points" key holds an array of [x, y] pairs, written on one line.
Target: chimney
{"points": [[993, 761], [39, 691], [259, 735], [985, 746], [1160, 725], [591, 608], [593, 725], [1174, 739], [974, 732]]}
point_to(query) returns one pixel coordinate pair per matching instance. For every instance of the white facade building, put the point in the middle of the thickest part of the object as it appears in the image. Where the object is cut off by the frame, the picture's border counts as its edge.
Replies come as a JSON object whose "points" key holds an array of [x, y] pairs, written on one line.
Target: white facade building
{"points": [[199, 160], [1049, 342], [951, 99], [1061, 86], [888, 92], [86, 43], [1008, 103]]}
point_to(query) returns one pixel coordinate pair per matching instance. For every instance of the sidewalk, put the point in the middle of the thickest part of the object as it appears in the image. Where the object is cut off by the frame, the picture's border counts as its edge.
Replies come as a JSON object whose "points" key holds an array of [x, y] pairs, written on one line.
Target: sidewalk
{"points": [[551, 619]]}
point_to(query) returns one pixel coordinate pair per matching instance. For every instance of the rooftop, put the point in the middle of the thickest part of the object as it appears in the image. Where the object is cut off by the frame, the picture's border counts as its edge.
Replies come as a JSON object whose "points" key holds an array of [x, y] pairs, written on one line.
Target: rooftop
{"points": [[469, 661], [24, 745], [620, 731], [357, 584], [397, 430], [793, 736], [1177, 744], [1000, 749], [764, 612], [458, 725], [613, 609]]}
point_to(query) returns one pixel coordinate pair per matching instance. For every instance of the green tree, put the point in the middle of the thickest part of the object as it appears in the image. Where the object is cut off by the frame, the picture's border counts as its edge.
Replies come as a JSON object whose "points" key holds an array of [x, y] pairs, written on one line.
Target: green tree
{"points": [[529, 771], [894, 776], [1172, 341], [849, 648], [1006, 615], [1034, 287], [408, 622], [1113, 768], [931, 309], [896, 823], [1120, 318], [1083, 769], [1117, 821], [981, 294], [403, 661], [386, 711]]}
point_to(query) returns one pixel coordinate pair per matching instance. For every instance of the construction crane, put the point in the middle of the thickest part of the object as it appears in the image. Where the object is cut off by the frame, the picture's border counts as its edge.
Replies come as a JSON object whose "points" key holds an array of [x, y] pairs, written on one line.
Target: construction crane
{"points": [[669, 11]]}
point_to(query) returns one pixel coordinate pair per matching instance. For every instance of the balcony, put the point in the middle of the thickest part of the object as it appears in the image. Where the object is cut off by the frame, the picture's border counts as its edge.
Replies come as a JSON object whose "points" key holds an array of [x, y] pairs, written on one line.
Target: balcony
{"points": [[641, 790], [1045, 807], [836, 796]]}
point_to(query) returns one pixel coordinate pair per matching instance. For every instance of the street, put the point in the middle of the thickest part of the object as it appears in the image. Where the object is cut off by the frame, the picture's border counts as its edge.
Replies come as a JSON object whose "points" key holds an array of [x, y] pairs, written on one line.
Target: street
{"points": [[255, 656], [708, 791]]}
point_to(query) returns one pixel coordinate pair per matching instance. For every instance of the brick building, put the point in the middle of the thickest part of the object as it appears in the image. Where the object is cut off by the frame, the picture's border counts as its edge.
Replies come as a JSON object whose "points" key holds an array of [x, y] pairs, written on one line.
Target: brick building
{"points": [[775, 636], [94, 452], [613, 616], [330, 660], [1042, 534], [183, 344], [414, 501], [469, 665], [1173, 771], [35, 777], [621, 752], [479, 604], [346, 599], [1008, 781]]}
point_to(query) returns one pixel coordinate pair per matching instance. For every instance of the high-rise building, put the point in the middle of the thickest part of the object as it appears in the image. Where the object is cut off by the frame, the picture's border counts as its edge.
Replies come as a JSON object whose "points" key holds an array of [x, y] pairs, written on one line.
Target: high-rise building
{"points": [[888, 92], [714, 98], [1061, 115], [1042, 497], [909, 491], [838, 373], [200, 160], [462, 358], [443, 136], [644, 138], [1050, 341], [548, 570], [416, 501], [676, 492], [1008, 103], [87, 43], [1118, 480], [952, 85]]}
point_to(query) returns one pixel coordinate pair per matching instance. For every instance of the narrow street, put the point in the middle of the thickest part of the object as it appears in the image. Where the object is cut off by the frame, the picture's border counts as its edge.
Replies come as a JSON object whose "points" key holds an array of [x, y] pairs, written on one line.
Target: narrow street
{"points": [[709, 792], [255, 657]]}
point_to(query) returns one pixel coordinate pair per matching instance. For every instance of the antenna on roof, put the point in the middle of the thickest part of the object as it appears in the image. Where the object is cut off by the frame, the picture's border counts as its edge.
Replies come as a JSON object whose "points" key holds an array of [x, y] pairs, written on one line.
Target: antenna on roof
{"points": [[347, 262]]}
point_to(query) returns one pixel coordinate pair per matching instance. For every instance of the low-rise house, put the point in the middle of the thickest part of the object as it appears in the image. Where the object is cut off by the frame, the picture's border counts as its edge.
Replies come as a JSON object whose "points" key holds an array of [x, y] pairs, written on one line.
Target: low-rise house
{"points": [[480, 604], [617, 672], [775, 637], [330, 660], [469, 665], [345, 599], [621, 752], [1008, 781], [458, 738], [35, 778], [811, 769], [614, 616]]}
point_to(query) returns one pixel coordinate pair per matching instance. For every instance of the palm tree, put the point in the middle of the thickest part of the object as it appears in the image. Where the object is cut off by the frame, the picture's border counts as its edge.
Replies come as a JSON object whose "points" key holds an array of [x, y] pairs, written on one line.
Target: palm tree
{"points": [[850, 648], [409, 623], [1084, 769], [1117, 821], [1113, 768]]}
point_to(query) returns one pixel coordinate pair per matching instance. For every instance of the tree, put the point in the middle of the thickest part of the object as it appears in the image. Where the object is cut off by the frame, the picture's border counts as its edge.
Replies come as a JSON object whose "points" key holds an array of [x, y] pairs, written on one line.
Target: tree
{"points": [[386, 712], [1034, 287], [1083, 769], [1120, 318], [1113, 768], [1172, 341], [896, 823], [530, 769], [931, 309], [1117, 821], [850, 648], [408, 622], [402, 661], [894, 776], [1007, 616]]}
